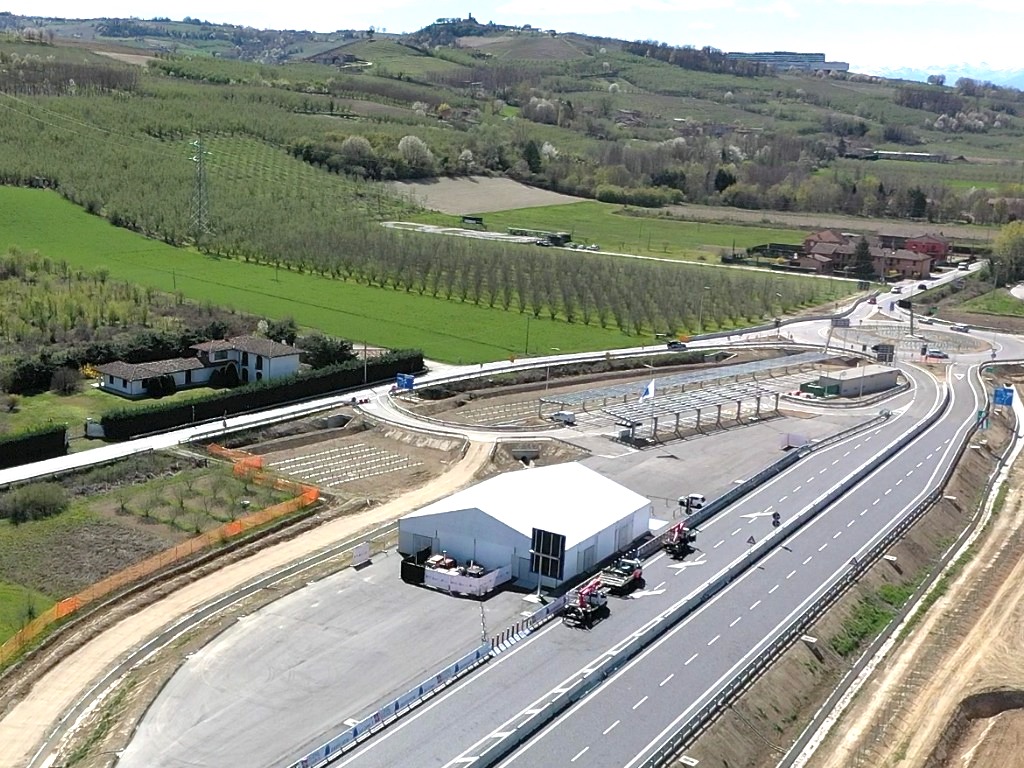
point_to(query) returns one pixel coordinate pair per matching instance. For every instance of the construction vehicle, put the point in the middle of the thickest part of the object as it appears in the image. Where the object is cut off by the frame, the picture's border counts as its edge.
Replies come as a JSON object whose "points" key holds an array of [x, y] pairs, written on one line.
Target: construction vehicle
{"points": [[680, 541], [623, 575], [585, 605]]}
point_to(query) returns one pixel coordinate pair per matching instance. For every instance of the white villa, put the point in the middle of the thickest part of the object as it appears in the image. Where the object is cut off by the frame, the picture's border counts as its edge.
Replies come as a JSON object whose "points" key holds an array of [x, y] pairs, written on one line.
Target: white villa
{"points": [[254, 359]]}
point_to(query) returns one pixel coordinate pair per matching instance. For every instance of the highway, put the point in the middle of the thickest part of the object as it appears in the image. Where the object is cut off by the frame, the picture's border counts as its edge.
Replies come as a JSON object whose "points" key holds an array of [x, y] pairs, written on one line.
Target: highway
{"points": [[649, 698], [460, 724]]}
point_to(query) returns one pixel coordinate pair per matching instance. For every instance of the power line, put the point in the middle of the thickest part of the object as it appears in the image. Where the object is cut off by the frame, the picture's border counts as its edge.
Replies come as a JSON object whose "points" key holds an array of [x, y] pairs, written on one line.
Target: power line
{"points": [[199, 224]]}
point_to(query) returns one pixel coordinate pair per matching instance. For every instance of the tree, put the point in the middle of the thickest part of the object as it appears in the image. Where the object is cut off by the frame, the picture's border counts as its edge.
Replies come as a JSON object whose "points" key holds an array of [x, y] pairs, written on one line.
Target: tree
{"points": [[320, 351], [284, 330], [936, 79], [65, 381], [33, 502], [416, 154], [1008, 253], [863, 266], [531, 154]]}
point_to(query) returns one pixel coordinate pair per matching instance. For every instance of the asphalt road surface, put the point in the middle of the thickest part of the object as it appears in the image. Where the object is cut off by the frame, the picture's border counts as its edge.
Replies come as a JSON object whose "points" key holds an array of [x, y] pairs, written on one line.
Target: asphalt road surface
{"points": [[457, 726]]}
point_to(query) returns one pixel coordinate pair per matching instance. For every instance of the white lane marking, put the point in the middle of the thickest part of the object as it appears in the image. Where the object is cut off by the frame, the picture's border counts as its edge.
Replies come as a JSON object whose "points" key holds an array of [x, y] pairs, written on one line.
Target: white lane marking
{"points": [[823, 470], [851, 522], [736, 531], [799, 487], [719, 544], [791, 574], [662, 683], [805, 562], [900, 480], [873, 503], [863, 512], [713, 639], [579, 754], [846, 454], [910, 473], [784, 497], [687, 662], [735, 621], [930, 455], [918, 465], [609, 728], [776, 586], [823, 546], [835, 462], [837, 534], [756, 604], [640, 702], [888, 491]]}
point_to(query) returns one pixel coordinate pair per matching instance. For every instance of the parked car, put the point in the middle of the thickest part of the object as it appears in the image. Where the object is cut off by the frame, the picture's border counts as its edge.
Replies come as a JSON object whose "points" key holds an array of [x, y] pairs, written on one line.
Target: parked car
{"points": [[922, 287], [565, 417], [938, 354], [926, 321], [960, 327], [593, 247], [897, 289], [676, 344]]}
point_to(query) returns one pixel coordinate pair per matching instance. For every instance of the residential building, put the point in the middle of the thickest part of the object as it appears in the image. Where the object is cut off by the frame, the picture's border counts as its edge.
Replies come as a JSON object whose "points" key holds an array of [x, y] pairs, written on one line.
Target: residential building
{"points": [[253, 358]]}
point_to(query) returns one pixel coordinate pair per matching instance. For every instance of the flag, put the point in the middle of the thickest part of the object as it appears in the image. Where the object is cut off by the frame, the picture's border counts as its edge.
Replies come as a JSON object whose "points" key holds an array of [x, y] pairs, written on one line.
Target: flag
{"points": [[648, 393]]}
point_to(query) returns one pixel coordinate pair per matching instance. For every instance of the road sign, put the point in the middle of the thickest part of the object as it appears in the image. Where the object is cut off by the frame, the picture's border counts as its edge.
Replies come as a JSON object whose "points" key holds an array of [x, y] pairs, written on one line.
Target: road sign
{"points": [[840, 322], [1003, 396], [547, 554], [405, 381]]}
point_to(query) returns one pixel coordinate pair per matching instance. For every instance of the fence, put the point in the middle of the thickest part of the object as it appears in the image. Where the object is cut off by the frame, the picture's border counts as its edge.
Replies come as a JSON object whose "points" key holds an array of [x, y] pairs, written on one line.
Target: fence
{"points": [[245, 466]]}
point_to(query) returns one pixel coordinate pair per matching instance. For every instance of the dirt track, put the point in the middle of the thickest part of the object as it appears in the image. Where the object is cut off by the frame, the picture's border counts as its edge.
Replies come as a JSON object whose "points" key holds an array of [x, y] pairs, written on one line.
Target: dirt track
{"points": [[26, 724], [969, 643], [477, 194]]}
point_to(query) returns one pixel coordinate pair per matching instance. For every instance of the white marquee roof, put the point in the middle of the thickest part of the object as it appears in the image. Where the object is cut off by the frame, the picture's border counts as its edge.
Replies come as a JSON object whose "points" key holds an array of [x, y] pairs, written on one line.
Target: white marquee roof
{"points": [[569, 499]]}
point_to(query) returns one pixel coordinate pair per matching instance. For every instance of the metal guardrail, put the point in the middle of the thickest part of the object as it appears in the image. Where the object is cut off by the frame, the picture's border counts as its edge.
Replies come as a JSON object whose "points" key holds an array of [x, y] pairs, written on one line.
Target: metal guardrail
{"points": [[343, 742], [689, 731]]}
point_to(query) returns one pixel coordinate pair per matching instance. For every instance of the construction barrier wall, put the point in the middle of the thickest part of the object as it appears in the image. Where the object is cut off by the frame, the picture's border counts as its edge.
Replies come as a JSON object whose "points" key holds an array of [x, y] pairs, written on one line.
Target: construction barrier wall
{"points": [[247, 466]]}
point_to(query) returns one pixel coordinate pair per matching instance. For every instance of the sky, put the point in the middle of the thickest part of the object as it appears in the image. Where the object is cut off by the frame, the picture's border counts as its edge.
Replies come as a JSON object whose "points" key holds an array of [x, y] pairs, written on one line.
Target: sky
{"points": [[872, 35]]}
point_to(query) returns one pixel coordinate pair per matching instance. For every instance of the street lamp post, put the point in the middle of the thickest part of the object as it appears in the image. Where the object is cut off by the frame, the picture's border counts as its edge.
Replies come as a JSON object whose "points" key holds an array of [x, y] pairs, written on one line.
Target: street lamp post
{"points": [[778, 323], [547, 370], [527, 350], [700, 310]]}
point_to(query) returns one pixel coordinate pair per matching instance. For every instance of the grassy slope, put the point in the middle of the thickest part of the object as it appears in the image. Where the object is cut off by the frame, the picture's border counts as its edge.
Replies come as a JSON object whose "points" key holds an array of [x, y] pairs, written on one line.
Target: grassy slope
{"points": [[40, 220]]}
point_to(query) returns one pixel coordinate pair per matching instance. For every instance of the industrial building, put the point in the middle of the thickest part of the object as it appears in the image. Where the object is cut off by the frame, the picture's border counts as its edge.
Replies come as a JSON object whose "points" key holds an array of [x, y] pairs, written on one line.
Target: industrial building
{"points": [[863, 380], [491, 523]]}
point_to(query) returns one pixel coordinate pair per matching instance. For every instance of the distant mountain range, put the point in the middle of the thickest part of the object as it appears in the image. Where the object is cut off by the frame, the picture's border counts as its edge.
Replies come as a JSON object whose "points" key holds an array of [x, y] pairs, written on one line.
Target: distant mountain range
{"points": [[1013, 78]]}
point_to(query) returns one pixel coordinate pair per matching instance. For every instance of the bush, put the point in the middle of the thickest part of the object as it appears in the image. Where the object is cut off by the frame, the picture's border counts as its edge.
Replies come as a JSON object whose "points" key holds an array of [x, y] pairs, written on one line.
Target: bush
{"points": [[33, 502]]}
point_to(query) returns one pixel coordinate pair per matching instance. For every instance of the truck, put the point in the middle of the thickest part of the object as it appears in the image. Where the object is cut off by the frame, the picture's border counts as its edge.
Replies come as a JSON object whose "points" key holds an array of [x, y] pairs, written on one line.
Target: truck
{"points": [[624, 574], [586, 605], [680, 541]]}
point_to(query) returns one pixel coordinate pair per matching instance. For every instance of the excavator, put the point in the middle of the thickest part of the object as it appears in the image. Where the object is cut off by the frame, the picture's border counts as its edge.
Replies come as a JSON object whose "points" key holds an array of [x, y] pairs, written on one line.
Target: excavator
{"points": [[586, 605]]}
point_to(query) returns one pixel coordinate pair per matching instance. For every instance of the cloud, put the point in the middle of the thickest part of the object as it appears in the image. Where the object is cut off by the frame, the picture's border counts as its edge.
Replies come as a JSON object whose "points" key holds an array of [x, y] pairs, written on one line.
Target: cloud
{"points": [[778, 8], [584, 8]]}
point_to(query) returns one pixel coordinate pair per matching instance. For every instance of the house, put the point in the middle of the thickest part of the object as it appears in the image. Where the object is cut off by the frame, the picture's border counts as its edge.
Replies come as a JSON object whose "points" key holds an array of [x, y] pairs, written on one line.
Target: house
{"points": [[253, 358], [812, 262], [935, 246], [135, 379], [256, 358], [890, 263]]}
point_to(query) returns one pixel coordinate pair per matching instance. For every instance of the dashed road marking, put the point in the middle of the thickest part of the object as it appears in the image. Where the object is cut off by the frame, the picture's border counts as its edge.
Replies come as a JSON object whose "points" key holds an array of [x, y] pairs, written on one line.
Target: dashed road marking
{"points": [[823, 546], [756, 604], [579, 754], [609, 728], [719, 544], [808, 560], [837, 534], [736, 531], [687, 662], [852, 522], [863, 512], [713, 640], [777, 586], [666, 679], [735, 621], [640, 702]]}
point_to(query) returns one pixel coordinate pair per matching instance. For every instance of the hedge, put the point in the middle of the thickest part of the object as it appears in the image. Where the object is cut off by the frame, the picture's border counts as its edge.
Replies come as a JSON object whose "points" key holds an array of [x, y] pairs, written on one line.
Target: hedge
{"points": [[33, 445], [124, 424]]}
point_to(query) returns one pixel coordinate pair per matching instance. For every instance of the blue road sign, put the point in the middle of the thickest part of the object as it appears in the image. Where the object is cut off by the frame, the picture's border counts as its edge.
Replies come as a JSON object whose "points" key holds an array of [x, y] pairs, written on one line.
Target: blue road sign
{"points": [[1003, 396], [405, 381]]}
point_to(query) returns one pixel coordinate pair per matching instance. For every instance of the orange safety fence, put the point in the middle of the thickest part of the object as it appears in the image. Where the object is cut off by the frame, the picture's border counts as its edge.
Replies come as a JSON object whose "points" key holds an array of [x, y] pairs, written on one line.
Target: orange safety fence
{"points": [[305, 495]]}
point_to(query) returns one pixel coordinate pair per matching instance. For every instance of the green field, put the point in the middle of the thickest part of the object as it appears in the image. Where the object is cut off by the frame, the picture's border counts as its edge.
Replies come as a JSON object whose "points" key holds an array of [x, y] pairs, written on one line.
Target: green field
{"points": [[609, 226], [444, 330], [73, 410]]}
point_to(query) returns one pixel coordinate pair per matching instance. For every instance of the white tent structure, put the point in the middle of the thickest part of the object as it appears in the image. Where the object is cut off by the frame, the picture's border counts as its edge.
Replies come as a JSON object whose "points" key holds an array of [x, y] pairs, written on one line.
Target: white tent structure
{"points": [[492, 522]]}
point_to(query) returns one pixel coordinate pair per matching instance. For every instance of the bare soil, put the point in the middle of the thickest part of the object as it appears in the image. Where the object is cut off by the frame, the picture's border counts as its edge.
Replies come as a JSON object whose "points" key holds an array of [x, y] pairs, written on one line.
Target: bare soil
{"points": [[759, 727], [477, 194]]}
